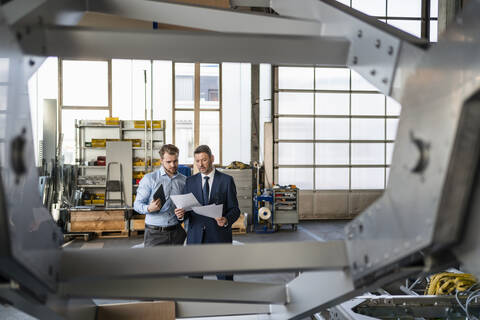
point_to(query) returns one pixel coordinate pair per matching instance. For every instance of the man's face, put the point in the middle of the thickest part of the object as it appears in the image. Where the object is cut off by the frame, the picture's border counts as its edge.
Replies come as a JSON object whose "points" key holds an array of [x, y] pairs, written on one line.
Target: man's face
{"points": [[170, 163], [204, 162]]}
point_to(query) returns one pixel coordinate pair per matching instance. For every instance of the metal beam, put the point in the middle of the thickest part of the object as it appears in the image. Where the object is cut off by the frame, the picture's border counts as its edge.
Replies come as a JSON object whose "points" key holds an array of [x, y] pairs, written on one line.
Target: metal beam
{"points": [[251, 3], [185, 309], [31, 13], [202, 259], [213, 19], [178, 289], [184, 46]]}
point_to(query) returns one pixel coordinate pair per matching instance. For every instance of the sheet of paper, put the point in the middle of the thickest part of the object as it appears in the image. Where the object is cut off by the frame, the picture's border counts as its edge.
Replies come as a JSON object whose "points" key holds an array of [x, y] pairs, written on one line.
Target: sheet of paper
{"points": [[185, 201], [212, 210]]}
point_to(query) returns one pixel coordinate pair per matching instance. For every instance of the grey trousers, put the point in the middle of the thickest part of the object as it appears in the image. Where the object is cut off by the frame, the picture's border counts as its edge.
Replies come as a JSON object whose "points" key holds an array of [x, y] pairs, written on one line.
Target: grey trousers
{"points": [[154, 238]]}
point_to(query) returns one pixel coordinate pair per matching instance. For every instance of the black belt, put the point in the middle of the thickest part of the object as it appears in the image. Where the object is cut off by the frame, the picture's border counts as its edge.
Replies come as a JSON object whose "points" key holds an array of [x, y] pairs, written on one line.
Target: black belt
{"points": [[169, 228]]}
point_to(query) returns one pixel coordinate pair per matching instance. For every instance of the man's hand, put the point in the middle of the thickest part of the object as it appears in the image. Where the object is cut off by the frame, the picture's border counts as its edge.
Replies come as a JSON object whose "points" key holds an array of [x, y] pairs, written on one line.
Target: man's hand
{"points": [[180, 213], [222, 221], [154, 206]]}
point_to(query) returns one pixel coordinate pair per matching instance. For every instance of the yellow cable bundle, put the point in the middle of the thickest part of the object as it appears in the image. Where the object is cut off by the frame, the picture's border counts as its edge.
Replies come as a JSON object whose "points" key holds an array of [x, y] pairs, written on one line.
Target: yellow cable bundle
{"points": [[447, 282]]}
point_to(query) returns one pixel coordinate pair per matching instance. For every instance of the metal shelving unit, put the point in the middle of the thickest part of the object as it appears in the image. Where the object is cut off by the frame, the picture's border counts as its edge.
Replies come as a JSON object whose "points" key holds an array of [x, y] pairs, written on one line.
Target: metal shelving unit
{"points": [[151, 141]]}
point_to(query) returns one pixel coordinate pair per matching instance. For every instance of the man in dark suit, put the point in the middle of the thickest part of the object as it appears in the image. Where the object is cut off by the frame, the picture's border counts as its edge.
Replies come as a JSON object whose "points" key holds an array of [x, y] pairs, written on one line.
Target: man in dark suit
{"points": [[210, 186]]}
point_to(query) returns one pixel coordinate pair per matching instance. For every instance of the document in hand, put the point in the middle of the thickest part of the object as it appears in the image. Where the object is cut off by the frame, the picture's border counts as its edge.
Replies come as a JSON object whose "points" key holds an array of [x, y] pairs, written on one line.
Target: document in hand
{"points": [[212, 210], [185, 201]]}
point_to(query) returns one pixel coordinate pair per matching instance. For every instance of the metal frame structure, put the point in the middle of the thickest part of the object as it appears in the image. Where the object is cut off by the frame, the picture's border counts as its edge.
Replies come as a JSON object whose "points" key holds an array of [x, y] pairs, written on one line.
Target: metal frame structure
{"points": [[426, 219]]}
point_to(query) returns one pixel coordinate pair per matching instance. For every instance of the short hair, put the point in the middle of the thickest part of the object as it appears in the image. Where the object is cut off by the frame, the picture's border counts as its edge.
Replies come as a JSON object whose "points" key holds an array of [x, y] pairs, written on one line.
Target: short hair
{"points": [[203, 149], [170, 149]]}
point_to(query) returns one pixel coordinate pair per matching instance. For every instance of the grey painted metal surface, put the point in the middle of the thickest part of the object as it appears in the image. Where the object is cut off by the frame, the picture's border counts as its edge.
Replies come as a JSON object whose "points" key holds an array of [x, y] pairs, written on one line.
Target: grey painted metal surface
{"points": [[438, 131], [206, 259], [184, 46], [424, 206], [179, 289], [184, 309], [30, 252], [220, 20]]}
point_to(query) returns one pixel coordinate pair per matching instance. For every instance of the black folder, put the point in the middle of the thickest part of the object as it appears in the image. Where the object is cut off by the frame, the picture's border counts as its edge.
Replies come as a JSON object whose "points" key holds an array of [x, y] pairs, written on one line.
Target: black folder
{"points": [[160, 194]]}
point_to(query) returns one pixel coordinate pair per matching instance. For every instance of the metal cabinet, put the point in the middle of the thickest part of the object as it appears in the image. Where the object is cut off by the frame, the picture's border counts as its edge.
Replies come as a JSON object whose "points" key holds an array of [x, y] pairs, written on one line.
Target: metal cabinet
{"points": [[243, 183], [285, 201]]}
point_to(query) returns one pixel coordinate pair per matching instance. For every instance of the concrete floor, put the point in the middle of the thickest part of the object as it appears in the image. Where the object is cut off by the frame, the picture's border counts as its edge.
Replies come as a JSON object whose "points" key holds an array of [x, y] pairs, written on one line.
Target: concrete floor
{"points": [[307, 231]]}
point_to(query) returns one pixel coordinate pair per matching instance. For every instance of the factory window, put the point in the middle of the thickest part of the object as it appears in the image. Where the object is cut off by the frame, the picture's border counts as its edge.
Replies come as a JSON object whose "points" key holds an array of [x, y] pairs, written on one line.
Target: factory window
{"points": [[417, 17], [333, 130], [210, 102], [85, 93]]}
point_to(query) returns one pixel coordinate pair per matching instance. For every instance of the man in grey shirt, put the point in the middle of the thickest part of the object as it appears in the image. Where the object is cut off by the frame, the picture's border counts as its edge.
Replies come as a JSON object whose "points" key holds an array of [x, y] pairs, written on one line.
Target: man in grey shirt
{"points": [[161, 224]]}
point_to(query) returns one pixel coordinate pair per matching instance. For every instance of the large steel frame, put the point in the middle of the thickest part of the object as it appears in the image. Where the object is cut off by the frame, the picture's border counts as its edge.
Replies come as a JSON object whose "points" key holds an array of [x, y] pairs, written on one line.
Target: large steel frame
{"points": [[426, 219]]}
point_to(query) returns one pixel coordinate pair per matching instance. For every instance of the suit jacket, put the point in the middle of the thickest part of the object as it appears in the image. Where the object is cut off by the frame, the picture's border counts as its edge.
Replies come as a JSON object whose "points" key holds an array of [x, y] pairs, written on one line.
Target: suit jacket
{"points": [[203, 229]]}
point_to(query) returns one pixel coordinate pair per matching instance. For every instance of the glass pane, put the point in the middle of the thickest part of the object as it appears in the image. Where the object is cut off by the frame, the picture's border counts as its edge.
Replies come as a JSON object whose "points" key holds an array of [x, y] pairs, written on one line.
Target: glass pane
{"points": [[122, 89], [359, 83], [331, 153], [332, 79], [370, 7], [295, 128], [331, 129], [388, 174], [184, 85], [331, 178], [368, 129], [433, 31], [368, 153], [210, 132], [4, 68], [404, 8], [236, 112], [209, 86], [140, 98], [162, 95], [295, 153], [433, 8], [85, 83], [368, 104], [301, 177], [393, 107], [295, 78], [390, 147], [392, 125], [295, 103], [412, 27], [368, 178], [68, 129], [184, 128], [332, 103]]}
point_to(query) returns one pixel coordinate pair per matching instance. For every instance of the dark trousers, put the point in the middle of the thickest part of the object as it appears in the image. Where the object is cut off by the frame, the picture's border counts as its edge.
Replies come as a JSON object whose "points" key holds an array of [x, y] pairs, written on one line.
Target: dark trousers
{"points": [[154, 238]]}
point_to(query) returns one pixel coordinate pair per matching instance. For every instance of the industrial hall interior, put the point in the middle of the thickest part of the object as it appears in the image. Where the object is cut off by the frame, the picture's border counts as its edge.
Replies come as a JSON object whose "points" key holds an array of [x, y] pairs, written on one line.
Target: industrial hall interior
{"points": [[239, 159]]}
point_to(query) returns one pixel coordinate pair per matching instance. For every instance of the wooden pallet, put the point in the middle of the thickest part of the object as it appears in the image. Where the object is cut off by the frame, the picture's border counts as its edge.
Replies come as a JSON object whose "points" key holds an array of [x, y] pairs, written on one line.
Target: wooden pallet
{"points": [[111, 234], [85, 236], [239, 226], [237, 231]]}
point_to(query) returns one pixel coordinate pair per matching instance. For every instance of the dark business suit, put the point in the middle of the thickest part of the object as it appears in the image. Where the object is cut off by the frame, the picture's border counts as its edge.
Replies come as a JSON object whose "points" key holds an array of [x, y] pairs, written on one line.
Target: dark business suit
{"points": [[203, 229]]}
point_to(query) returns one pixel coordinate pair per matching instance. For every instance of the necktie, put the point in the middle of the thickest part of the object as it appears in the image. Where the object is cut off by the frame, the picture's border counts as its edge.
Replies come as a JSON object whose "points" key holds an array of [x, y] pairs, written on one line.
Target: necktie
{"points": [[206, 191]]}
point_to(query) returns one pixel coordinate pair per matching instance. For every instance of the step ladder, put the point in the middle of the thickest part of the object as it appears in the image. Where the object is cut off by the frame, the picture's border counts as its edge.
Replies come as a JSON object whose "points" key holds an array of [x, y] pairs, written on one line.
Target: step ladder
{"points": [[114, 186]]}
